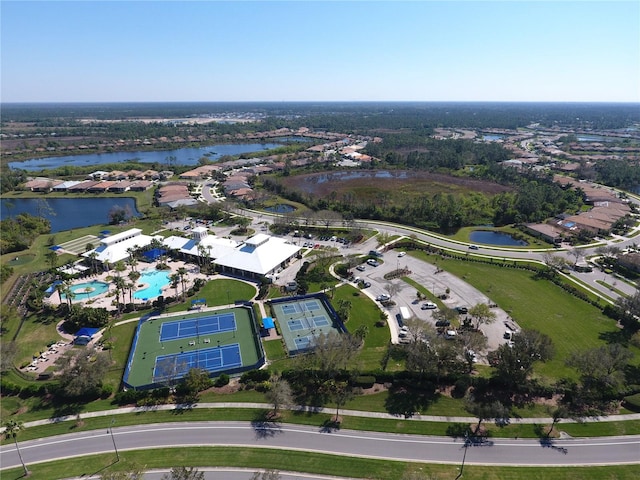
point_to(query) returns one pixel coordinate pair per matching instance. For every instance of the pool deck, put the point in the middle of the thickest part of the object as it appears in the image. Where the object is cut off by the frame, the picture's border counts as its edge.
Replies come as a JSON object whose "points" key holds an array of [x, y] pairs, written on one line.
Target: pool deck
{"points": [[106, 299]]}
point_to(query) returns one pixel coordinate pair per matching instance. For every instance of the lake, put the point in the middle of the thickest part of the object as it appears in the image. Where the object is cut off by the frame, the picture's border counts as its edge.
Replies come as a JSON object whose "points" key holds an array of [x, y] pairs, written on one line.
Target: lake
{"points": [[70, 213], [489, 237], [183, 156]]}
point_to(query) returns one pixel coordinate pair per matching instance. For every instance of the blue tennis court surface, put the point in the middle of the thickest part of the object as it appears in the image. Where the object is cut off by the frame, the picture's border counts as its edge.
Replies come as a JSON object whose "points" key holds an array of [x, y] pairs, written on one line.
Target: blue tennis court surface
{"points": [[194, 327], [211, 359]]}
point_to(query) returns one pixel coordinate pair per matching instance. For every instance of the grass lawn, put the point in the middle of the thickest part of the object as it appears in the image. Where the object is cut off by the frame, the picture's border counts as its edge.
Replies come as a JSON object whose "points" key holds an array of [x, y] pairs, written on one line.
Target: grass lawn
{"points": [[263, 458], [572, 324], [365, 312]]}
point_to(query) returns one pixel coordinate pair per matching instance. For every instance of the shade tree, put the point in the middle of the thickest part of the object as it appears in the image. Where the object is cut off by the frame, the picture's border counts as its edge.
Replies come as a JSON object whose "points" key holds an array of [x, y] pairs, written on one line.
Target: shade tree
{"points": [[513, 363]]}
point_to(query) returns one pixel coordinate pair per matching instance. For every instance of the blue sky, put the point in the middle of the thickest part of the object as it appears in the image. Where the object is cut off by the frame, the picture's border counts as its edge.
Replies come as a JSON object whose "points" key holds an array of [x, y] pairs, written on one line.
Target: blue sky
{"points": [[84, 51]]}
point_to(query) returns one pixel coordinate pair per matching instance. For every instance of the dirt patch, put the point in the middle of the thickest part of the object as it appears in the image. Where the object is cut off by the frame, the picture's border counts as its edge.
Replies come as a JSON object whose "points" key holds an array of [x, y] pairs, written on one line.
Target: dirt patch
{"points": [[232, 387], [377, 388]]}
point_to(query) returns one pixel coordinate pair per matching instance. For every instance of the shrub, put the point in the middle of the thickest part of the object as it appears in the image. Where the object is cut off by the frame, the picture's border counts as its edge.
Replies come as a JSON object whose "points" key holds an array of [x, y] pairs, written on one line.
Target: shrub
{"points": [[364, 381], [9, 388], [460, 387], [30, 390], [106, 391], [632, 402], [222, 380], [255, 376]]}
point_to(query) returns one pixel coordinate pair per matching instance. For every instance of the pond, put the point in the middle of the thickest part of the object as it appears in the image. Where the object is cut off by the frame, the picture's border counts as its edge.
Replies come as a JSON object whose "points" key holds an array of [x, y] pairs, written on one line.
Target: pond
{"points": [[489, 237], [492, 138], [281, 208], [181, 156], [67, 213]]}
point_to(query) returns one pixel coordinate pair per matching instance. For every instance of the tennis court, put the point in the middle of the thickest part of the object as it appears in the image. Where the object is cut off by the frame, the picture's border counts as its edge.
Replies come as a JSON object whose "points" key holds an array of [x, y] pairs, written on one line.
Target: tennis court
{"points": [[308, 323], [166, 347], [303, 318], [210, 359], [199, 326]]}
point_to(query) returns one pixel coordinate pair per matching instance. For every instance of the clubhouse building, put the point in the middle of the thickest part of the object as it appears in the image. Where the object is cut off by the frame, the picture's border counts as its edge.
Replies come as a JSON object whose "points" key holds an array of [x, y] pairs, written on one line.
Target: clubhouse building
{"points": [[257, 256]]}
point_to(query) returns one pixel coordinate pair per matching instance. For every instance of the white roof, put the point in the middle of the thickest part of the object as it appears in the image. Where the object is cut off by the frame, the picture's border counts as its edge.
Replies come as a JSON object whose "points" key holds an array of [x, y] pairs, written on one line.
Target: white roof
{"points": [[260, 257], [260, 254], [216, 247], [114, 248], [67, 184]]}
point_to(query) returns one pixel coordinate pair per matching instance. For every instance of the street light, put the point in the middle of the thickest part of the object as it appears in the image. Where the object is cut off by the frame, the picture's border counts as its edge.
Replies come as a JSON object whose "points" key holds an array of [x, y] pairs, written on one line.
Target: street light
{"points": [[464, 456], [113, 421]]}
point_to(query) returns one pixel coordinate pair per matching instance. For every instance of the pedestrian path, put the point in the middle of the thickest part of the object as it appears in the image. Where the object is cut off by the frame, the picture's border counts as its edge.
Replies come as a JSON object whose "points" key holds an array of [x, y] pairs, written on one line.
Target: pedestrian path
{"points": [[311, 409]]}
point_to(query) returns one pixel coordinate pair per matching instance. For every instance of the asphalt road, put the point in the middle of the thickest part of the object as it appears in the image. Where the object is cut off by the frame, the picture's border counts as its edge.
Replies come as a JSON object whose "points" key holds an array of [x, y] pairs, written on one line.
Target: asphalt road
{"points": [[409, 448]]}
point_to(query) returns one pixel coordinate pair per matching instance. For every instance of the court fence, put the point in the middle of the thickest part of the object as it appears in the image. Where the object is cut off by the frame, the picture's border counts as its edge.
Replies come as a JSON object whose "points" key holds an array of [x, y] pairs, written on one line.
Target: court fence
{"points": [[235, 371]]}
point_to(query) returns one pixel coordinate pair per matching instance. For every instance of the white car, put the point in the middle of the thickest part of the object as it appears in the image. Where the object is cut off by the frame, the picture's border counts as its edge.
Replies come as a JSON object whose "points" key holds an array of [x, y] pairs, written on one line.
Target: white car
{"points": [[429, 306], [402, 254], [383, 298]]}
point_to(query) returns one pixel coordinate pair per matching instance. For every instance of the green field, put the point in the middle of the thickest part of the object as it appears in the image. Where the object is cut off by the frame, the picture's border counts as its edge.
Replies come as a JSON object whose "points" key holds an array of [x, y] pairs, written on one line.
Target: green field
{"points": [[573, 324]]}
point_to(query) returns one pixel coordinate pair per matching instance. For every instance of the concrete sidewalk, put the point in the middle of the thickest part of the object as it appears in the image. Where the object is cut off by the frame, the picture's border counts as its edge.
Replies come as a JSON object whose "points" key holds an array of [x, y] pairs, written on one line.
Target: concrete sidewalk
{"points": [[330, 411]]}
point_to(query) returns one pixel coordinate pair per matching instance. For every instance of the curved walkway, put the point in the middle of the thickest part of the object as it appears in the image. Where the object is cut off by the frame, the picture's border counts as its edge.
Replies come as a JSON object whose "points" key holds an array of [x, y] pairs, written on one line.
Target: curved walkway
{"points": [[301, 408]]}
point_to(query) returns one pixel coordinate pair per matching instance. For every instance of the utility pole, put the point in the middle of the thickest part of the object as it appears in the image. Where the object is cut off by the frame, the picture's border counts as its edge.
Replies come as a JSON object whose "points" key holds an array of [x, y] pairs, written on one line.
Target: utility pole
{"points": [[113, 421]]}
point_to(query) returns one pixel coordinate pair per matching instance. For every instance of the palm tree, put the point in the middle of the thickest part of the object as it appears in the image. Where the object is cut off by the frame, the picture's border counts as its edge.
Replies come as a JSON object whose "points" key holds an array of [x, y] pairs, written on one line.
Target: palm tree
{"points": [[133, 276], [93, 256], [181, 273], [175, 280], [68, 293], [12, 428]]}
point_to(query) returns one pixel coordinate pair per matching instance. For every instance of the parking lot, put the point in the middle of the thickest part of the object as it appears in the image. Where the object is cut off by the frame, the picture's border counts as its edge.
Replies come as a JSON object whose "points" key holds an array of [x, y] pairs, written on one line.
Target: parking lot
{"points": [[372, 272]]}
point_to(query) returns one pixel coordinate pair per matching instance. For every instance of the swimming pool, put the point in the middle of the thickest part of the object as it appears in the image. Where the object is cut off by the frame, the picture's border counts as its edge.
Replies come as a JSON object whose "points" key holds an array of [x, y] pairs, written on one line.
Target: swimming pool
{"points": [[155, 281], [88, 289]]}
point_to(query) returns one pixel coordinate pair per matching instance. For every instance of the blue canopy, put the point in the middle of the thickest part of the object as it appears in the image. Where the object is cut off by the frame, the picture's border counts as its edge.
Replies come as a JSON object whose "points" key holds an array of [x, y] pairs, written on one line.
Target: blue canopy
{"points": [[267, 322], [87, 332]]}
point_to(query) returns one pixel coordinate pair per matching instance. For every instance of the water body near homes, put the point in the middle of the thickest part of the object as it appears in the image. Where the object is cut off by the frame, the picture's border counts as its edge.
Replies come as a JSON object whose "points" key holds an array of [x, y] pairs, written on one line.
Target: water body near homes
{"points": [[182, 156], [69, 213], [489, 237]]}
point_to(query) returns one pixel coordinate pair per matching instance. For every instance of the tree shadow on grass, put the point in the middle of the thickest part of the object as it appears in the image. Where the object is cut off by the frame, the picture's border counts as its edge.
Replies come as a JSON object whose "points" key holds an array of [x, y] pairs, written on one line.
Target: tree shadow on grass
{"points": [[66, 408], [407, 399], [617, 336], [265, 426], [458, 430], [99, 471]]}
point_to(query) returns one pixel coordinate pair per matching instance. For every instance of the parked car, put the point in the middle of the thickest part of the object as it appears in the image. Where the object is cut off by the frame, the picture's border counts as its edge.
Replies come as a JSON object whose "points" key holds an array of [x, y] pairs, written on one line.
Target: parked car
{"points": [[366, 284], [462, 310], [372, 262], [443, 323], [362, 268], [402, 254], [429, 306], [383, 298]]}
